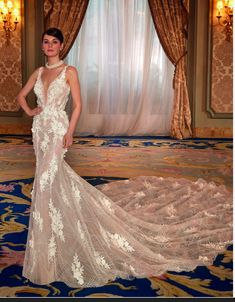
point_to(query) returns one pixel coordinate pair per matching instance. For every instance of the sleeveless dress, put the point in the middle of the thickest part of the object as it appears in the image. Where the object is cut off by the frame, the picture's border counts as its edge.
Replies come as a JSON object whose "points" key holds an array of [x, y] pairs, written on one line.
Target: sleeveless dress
{"points": [[86, 236]]}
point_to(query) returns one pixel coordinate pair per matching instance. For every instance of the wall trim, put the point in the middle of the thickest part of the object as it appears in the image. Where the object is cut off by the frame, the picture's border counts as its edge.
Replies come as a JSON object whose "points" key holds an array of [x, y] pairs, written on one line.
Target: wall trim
{"points": [[212, 132], [209, 109], [16, 128]]}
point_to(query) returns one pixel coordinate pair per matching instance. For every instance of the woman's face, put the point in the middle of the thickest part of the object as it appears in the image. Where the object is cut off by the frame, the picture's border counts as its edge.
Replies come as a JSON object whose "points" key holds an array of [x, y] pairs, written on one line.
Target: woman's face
{"points": [[51, 46]]}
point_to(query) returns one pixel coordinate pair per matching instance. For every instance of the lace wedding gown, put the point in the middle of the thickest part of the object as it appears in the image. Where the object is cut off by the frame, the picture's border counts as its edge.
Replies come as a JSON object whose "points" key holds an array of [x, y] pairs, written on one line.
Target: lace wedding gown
{"points": [[140, 227]]}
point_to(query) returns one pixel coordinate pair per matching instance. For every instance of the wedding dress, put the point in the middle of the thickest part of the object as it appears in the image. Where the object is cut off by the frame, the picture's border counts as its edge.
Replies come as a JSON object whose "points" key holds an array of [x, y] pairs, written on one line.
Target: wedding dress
{"points": [[87, 236]]}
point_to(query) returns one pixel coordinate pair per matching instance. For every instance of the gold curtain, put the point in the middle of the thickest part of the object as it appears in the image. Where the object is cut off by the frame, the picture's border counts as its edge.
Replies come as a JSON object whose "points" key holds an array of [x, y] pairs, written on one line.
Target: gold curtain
{"points": [[67, 15], [170, 18]]}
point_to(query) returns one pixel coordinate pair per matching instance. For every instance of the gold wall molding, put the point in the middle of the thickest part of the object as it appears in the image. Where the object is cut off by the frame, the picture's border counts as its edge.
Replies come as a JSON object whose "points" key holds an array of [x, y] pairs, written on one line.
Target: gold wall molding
{"points": [[204, 116], [214, 132], [18, 128], [219, 102]]}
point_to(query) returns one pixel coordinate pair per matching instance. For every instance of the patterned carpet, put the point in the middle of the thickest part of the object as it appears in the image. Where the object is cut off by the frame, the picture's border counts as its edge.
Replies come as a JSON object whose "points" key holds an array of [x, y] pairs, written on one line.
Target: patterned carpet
{"points": [[209, 158], [127, 157]]}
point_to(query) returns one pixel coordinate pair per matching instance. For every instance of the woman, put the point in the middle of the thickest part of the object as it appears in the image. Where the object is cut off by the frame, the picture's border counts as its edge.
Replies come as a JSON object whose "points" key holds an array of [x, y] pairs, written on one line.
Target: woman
{"points": [[80, 236]]}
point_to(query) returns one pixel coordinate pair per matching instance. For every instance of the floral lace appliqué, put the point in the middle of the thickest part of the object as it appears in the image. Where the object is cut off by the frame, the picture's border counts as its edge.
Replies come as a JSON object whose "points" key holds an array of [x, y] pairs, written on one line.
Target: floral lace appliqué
{"points": [[45, 143], [44, 180], [77, 270], [48, 176], [216, 246], [58, 129], [51, 248], [116, 239], [63, 195], [107, 204], [171, 211], [147, 185], [139, 194], [76, 191], [129, 267], [82, 235], [101, 261], [37, 217], [53, 167], [56, 221], [203, 259]]}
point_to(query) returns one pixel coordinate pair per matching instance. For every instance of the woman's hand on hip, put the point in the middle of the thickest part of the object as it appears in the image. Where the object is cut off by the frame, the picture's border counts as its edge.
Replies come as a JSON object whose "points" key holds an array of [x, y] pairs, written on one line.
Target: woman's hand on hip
{"points": [[35, 111]]}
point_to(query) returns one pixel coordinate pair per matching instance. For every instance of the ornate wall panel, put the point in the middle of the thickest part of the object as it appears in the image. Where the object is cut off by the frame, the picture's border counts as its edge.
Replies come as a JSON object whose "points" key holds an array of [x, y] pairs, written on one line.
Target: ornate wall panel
{"points": [[220, 99], [10, 67]]}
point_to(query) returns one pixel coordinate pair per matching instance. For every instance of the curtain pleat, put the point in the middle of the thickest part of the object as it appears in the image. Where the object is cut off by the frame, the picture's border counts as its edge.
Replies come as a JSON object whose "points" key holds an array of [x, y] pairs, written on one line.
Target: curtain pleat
{"points": [[170, 19]]}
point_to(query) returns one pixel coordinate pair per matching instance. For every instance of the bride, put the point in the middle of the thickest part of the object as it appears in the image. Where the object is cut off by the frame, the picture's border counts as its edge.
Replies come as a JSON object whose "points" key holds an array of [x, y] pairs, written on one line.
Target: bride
{"points": [[86, 236]]}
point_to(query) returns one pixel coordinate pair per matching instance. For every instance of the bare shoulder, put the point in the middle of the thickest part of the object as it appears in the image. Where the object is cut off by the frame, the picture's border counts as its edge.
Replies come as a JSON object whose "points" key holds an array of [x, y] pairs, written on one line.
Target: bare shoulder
{"points": [[72, 71], [72, 74]]}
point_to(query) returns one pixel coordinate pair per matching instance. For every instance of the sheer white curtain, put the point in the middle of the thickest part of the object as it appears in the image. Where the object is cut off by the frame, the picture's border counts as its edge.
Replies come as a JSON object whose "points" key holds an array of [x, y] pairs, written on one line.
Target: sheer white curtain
{"points": [[125, 76]]}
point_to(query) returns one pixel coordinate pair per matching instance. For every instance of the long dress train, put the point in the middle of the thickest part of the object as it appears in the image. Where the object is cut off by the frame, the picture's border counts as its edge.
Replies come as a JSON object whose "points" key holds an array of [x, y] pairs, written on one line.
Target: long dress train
{"points": [[140, 227]]}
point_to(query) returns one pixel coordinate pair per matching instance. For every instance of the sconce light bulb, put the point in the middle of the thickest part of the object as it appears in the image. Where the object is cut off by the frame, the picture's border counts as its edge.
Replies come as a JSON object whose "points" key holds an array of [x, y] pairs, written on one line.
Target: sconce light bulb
{"points": [[9, 4], [2, 4], [220, 4], [231, 3], [5, 10], [15, 12]]}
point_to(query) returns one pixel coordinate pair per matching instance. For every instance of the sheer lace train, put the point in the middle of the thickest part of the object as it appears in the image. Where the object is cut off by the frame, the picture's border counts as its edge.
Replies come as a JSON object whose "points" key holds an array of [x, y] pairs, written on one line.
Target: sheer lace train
{"points": [[85, 235]]}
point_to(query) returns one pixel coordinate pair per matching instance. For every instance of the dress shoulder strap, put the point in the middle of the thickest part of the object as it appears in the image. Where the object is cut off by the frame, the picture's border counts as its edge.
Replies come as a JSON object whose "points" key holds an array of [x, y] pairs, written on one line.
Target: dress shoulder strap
{"points": [[39, 72], [65, 68], [63, 72]]}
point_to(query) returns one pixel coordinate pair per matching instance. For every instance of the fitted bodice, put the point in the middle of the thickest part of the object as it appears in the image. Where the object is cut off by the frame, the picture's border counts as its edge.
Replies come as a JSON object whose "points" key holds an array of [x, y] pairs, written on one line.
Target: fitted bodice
{"points": [[56, 96], [52, 122]]}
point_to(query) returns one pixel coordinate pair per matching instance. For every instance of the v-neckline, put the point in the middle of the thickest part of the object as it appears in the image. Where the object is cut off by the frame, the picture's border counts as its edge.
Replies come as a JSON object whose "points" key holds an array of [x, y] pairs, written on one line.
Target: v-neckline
{"points": [[45, 93]]}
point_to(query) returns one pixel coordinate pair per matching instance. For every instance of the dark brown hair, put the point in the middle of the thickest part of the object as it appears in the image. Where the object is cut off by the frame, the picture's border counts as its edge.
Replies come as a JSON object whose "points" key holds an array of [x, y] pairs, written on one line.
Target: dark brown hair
{"points": [[55, 32]]}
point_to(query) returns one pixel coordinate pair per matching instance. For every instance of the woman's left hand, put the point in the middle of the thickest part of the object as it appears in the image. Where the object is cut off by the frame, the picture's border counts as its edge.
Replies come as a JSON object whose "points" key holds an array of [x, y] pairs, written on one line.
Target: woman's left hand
{"points": [[67, 140]]}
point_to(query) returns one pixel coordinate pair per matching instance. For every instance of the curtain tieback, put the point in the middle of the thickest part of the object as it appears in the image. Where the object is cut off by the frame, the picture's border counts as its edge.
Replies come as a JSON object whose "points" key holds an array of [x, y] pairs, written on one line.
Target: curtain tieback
{"points": [[176, 63]]}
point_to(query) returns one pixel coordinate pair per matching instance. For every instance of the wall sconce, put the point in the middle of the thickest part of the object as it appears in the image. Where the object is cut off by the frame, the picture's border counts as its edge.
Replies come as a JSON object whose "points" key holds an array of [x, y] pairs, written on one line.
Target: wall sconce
{"points": [[226, 19], [9, 16]]}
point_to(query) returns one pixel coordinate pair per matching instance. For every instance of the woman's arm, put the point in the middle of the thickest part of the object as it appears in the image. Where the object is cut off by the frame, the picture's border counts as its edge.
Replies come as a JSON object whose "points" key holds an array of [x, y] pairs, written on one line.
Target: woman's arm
{"points": [[72, 79], [21, 97]]}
